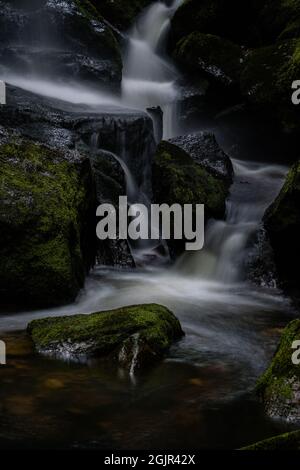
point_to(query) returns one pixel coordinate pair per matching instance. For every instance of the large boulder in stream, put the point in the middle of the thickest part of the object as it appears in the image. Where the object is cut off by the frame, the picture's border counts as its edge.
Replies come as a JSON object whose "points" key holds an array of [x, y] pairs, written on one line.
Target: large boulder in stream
{"points": [[47, 212], [216, 58], [98, 134], [192, 169], [59, 40], [250, 46], [267, 77], [134, 336], [60, 124], [279, 387], [282, 224]]}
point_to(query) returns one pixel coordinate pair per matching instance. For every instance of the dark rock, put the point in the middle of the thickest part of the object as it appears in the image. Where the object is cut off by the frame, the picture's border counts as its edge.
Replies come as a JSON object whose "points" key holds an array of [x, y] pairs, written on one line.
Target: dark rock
{"points": [[120, 13], [156, 114], [64, 126], [180, 178], [205, 150], [126, 133], [278, 19], [51, 64], [134, 336], [47, 224], [267, 77], [279, 387], [231, 19], [283, 442], [260, 263], [217, 58], [282, 224], [30, 35], [110, 185]]}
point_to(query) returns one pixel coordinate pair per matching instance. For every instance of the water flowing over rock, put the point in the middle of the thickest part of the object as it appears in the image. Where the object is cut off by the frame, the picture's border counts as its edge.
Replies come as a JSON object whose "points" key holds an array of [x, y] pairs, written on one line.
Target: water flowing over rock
{"points": [[59, 40], [192, 170], [205, 150], [62, 125]]}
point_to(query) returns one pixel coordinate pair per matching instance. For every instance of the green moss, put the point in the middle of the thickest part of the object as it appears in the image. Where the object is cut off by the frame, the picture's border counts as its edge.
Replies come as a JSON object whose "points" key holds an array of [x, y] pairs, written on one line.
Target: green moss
{"points": [[276, 19], [215, 56], [107, 331], [282, 223], [285, 211], [43, 204], [178, 179], [275, 381], [267, 78], [231, 19], [287, 441]]}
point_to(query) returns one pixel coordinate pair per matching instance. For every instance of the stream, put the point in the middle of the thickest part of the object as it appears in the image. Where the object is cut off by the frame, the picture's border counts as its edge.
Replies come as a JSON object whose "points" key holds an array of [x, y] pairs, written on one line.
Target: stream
{"points": [[201, 395]]}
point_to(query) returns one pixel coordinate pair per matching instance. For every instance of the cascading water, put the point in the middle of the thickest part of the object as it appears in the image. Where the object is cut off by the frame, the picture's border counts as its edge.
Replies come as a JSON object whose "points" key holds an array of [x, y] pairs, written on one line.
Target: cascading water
{"points": [[149, 78], [142, 251], [255, 187]]}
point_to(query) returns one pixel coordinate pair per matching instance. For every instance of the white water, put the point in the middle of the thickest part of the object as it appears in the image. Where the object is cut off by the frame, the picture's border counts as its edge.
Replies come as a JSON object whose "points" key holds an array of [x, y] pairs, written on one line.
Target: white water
{"points": [[255, 186], [149, 78]]}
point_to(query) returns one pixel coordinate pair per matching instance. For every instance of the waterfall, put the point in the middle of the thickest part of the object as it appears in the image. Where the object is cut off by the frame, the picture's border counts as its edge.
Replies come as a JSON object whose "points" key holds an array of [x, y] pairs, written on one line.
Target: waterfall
{"points": [[149, 78], [143, 251], [255, 187]]}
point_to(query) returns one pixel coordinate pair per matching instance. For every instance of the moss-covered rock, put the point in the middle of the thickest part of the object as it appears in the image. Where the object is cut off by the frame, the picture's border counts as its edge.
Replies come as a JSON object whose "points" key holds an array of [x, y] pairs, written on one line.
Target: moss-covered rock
{"points": [[279, 387], [267, 79], [287, 441], [282, 223], [231, 19], [120, 13], [278, 19], [253, 43], [47, 212], [217, 58], [134, 336], [179, 178]]}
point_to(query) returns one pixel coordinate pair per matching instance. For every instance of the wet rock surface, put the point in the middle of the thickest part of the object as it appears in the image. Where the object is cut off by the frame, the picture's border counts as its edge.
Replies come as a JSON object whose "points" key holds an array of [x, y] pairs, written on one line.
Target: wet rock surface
{"points": [[204, 149], [282, 224], [47, 212], [134, 336], [51, 37], [279, 387]]}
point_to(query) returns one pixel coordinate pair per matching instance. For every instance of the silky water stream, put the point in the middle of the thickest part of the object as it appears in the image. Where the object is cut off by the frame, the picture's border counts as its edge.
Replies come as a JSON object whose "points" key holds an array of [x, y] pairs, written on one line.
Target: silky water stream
{"points": [[201, 395]]}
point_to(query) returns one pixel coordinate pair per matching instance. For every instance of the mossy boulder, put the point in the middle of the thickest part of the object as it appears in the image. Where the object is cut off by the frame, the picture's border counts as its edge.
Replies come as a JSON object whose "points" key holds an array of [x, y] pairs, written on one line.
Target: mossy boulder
{"points": [[267, 78], [231, 19], [217, 58], [282, 224], [177, 178], [47, 224], [286, 441], [279, 387], [183, 176], [133, 336], [278, 19]]}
